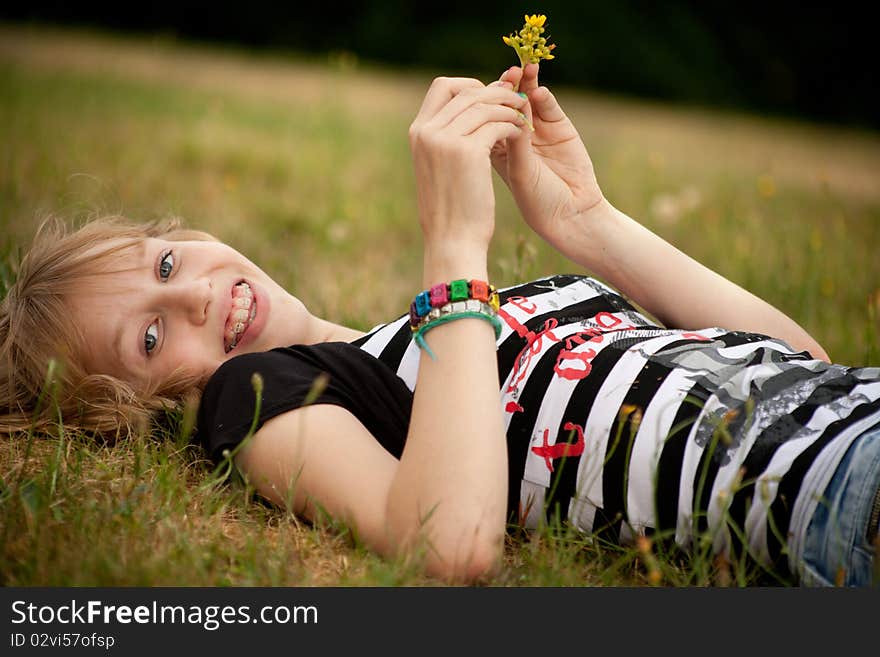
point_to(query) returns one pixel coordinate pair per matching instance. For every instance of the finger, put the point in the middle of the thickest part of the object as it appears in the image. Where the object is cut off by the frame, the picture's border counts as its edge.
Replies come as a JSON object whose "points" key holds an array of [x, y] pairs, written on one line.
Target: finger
{"points": [[500, 83], [471, 120], [507, 79], [511, 75], [519, 145], [441, 91], [545, 106], [489, 134], [515, 75], [469, 97]]}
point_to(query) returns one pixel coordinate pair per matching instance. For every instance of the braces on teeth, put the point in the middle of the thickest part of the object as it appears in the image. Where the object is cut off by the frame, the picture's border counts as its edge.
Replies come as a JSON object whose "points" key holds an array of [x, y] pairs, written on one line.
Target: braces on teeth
{"points": [[245, 309]]}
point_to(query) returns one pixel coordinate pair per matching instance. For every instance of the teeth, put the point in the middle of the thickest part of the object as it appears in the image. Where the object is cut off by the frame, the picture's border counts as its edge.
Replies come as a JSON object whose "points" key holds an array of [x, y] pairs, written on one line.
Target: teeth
{"points": [[243, 312], [233, 335]]}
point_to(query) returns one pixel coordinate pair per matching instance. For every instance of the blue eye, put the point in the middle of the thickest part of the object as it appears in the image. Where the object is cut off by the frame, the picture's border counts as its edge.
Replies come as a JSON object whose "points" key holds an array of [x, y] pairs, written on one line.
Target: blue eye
{"points": [[166, 266], [151, 337]]}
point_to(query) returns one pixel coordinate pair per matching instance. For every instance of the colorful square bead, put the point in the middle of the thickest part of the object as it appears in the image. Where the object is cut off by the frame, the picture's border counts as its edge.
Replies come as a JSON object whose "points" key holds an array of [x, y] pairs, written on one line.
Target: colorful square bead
{"points": [[439, 295], [423, 303], [458, 290], [413, 314], [479, 290]]}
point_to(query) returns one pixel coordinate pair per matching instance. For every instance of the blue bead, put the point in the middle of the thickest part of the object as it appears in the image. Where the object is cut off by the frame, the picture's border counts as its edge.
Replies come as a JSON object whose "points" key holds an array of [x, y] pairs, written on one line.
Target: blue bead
{"points": [[423, 303]]}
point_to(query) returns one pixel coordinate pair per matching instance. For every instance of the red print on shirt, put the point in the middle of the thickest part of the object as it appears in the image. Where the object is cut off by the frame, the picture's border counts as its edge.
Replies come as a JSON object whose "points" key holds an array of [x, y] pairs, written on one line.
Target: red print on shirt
{"points": [[607, 320], [574, 365], [523, 304], [558, 450], [533, 345], [570, 364]]}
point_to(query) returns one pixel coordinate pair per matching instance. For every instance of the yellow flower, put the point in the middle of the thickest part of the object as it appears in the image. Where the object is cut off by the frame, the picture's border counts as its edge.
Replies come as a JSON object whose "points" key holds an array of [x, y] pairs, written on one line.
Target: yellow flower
{"points": [[530, 46]]}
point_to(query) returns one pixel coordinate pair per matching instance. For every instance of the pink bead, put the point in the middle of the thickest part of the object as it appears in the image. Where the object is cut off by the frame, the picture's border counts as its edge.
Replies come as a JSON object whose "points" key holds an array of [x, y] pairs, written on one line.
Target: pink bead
{"points": [[439, 295]]}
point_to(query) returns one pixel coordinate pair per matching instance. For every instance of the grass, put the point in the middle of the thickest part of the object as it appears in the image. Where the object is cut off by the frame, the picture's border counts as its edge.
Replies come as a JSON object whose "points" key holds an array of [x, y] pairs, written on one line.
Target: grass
{"points": [[303, 165]]}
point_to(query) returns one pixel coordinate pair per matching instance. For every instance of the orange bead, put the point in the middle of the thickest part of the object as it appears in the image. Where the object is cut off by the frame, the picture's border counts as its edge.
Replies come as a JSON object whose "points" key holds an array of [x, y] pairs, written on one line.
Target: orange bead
{"points": [[479, 290]]}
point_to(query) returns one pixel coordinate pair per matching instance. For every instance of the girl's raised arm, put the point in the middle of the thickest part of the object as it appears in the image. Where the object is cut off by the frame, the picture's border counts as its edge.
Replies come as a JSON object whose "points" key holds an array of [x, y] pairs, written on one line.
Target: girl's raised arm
{"points": [[675, 288], [448, 492], [554, 184]]}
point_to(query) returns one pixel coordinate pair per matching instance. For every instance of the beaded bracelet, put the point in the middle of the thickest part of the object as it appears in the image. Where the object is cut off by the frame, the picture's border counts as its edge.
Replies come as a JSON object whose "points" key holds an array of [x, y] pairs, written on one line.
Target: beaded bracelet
{"points": [[443, 293], [454, 308], [450, 312]]}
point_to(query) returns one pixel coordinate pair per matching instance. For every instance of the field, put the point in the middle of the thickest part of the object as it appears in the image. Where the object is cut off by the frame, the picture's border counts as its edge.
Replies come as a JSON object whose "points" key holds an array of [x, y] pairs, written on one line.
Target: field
{"points": [[302, 163]]}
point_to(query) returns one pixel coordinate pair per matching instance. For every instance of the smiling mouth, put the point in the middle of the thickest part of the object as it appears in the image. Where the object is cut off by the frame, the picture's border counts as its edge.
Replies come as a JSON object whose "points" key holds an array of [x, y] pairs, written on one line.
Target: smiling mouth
{"points": [[244, 309]]}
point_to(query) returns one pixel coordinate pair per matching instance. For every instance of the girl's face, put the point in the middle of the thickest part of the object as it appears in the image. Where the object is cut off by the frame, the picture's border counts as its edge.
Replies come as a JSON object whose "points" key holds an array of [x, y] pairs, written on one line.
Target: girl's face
{"points": [[183, 305]]}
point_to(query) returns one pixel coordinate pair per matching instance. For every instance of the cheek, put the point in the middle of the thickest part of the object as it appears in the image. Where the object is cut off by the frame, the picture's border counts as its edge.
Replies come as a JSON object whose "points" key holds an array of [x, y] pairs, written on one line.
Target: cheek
{"points": [[193, 357]]}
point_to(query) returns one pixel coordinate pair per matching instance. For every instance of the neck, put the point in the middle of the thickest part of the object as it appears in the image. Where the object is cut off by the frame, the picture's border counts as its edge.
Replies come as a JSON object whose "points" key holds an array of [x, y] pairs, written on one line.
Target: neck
{"points": [[324, 331]]}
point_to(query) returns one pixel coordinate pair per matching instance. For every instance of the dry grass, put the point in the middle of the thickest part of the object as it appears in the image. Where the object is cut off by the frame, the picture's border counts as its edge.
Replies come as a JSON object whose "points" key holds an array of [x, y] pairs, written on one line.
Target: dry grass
{"points": [[303, 165]]}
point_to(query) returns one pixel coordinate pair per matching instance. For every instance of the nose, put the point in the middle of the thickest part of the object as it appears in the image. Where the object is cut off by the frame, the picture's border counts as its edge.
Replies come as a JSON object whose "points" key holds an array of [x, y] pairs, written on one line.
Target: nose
{"points": [[192, 298]]}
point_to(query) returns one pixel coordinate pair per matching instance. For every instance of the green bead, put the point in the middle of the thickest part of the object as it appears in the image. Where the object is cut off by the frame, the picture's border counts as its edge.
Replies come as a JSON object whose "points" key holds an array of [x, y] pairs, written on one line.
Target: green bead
{"points": [[458, 290]]}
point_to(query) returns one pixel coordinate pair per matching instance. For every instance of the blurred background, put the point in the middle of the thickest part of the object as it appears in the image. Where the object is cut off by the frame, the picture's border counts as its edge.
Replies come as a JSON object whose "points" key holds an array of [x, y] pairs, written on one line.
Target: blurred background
{"points": [[746, 134], [780, 57]]}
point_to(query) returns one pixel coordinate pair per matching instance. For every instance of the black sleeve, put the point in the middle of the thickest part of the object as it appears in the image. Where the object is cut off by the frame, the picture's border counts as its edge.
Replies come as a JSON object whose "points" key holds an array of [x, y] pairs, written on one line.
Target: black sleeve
{"points": [[355, 380]]}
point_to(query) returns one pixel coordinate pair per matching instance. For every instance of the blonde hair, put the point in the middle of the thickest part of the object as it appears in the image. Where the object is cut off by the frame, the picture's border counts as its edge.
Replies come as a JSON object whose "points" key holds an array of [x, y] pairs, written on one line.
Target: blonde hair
{"points": [[42, 379]]}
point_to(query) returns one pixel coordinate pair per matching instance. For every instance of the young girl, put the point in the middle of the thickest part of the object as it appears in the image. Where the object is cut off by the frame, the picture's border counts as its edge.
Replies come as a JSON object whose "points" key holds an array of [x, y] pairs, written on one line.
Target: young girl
{"points": [[620, 425]]}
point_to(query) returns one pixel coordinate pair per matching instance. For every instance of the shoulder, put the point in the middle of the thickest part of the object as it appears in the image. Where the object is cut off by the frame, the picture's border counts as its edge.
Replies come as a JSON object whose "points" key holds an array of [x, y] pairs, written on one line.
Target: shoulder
{"points": [[283, 366], [250, 389], [239, 378], [245, 365], [258, 386]]}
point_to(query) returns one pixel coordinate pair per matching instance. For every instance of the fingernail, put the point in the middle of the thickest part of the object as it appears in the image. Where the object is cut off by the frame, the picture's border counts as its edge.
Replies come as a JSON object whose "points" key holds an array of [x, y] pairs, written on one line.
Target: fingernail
{"points": [[522, 93]]}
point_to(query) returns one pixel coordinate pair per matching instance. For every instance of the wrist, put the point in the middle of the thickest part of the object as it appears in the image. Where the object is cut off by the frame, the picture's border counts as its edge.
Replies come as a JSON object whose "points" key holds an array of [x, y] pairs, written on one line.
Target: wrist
{"points": [[584, 236], [447, 261], [591, 221]]}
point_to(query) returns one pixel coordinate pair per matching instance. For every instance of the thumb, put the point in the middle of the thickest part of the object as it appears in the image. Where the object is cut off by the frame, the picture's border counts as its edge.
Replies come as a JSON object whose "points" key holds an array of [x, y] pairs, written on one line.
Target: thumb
{"points": [[545, 106], [529, 81]]}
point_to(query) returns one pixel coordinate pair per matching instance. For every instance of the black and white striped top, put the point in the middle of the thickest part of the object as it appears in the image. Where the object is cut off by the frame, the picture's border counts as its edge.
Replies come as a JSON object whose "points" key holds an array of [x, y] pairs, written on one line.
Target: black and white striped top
{"points": [[603, 407]]}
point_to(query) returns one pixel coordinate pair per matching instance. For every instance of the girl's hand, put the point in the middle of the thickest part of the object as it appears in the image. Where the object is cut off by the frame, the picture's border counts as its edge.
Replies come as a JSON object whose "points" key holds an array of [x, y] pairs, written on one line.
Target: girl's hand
{"points": [[451, 138], [548, 171]]}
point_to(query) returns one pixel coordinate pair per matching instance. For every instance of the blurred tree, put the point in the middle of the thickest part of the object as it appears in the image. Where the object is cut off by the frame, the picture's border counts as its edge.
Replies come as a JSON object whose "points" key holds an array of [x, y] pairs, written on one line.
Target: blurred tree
{"points": [[781, 57]]}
